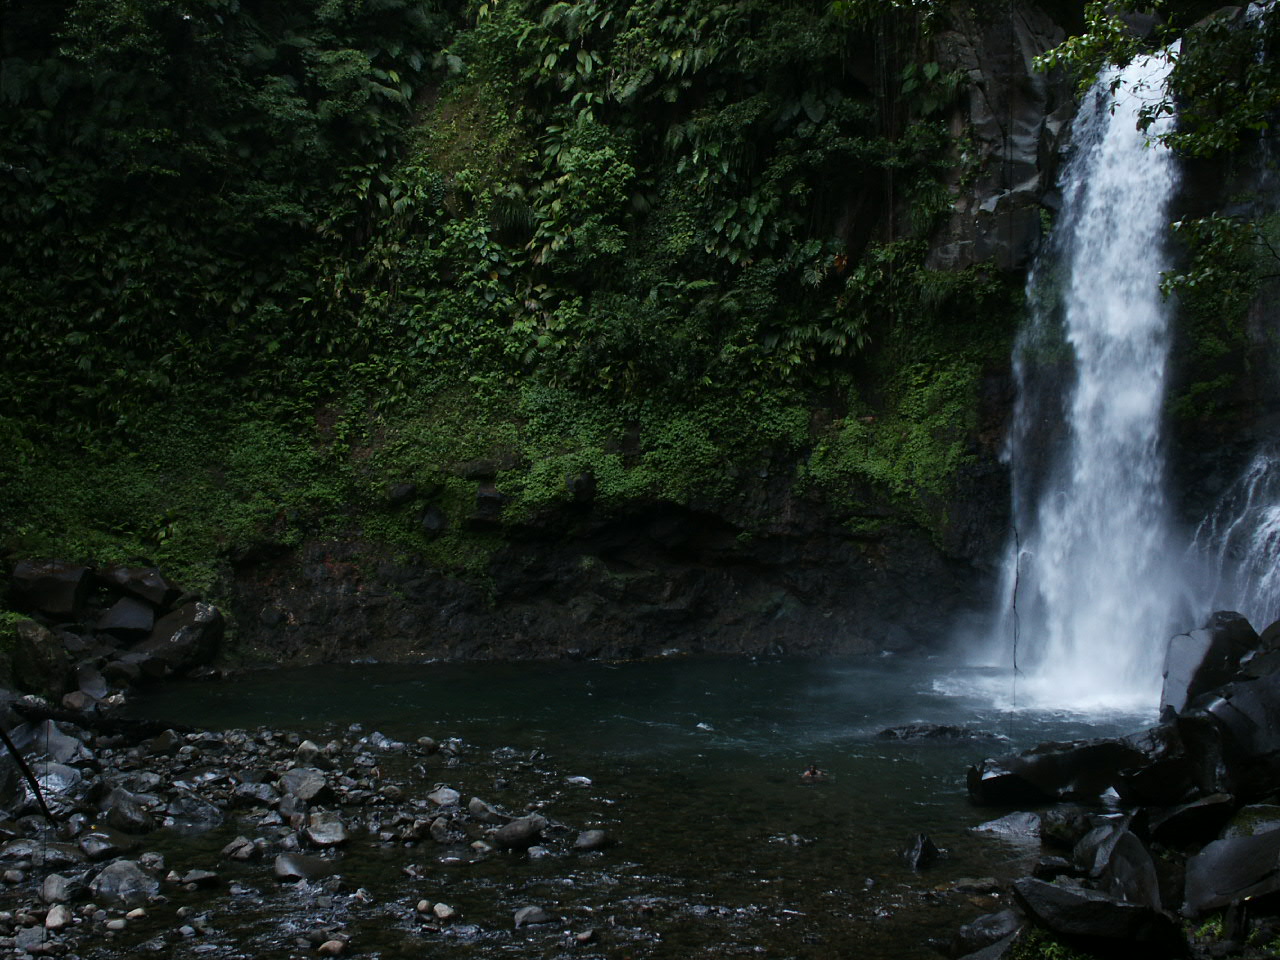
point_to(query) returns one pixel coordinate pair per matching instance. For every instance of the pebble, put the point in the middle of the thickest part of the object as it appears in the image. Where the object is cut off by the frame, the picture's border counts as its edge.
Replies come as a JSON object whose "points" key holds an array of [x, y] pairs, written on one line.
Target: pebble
{"points": [[118, 924], [331, 948], [58, 917], [528, 916], [444, 912]]}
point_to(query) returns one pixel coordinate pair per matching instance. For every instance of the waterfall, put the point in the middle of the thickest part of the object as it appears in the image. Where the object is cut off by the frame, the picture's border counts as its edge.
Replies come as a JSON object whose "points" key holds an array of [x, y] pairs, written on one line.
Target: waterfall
{"points": [[1240, 540], [1092, 585]]}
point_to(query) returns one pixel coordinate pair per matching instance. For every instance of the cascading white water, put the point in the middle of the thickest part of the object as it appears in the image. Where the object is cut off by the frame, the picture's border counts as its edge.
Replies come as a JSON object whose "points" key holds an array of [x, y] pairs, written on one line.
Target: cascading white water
{"points": [[1092, 579], [1240, 540]]}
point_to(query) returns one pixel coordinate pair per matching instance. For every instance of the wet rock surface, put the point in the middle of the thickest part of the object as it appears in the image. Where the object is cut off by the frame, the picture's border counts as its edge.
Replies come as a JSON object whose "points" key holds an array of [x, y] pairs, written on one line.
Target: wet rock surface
{"points": [[1173, 832]]}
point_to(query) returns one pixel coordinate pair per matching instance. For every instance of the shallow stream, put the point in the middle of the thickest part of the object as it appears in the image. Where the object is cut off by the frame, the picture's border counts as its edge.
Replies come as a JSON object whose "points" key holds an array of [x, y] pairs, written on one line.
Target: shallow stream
{"points": [[722, 849]]}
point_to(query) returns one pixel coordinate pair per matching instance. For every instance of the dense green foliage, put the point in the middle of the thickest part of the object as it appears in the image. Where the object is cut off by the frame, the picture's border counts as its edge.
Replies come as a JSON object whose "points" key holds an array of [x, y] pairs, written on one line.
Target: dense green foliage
{"points": [[261, 259]]}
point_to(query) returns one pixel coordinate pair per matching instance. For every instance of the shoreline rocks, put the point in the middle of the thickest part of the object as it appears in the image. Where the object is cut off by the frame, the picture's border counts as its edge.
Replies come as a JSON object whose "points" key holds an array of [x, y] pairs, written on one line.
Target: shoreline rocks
{"points": [[1163, 826]]}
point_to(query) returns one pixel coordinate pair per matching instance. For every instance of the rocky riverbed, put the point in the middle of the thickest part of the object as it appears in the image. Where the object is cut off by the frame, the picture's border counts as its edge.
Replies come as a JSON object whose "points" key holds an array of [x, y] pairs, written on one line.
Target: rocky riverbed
{"points": [[253, 843], [270, 843]]}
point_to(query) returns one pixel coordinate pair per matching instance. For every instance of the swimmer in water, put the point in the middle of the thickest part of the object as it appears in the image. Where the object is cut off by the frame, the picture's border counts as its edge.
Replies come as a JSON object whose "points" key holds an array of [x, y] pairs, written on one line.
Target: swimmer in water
{"points": [[812, 773]]}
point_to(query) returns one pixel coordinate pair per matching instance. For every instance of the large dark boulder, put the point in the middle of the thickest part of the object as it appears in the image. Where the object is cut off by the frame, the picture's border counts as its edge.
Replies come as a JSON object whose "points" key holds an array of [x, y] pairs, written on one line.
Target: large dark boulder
{"points": [[1053, 771], [128, 619], [1248, 714], [1226, 871], [1183, 760], [1098, 921], [144, 583], [41, 663], [56, 589], [184, 639], [1197, 662], [1113, 855]]}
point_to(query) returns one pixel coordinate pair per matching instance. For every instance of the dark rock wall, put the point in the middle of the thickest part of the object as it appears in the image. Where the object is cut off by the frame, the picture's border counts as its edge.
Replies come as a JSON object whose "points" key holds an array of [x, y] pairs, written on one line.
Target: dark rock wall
{"points": [[635, 583], [654, 576]]}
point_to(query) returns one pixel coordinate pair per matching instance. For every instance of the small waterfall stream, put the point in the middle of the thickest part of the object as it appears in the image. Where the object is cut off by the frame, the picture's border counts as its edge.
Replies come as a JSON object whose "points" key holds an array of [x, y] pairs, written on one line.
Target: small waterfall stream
{"points": [[1092, 586], [1240, 540]]}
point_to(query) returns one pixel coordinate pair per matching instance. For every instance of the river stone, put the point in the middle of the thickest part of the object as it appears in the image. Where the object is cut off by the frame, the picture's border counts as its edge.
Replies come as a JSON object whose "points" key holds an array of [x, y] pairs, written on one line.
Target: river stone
{"points": [[306, 784], [984, 931], [521, 833], [47, 739], [290, 867], [921, 852], [1021, 825], [191, 813], [260, 794], [90, 682], [100, 843], [201, 878], [60, 785], [530, 916], [1197, 662], [444, 796], [1098, 920], [33, 940], [123, 884], [1229, 870], [484, 812], [58, 888], [52, 587], [125, 812], [325, 829], [59, 916], [591, 840]]}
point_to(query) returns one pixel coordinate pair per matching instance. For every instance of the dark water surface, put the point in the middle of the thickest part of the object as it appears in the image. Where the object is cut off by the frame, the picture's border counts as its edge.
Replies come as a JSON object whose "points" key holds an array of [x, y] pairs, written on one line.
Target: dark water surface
{"points": [[723, 850]]}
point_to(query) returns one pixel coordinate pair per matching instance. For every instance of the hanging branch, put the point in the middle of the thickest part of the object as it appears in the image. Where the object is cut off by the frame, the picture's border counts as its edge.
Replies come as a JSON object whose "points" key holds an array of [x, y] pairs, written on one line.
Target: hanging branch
{"points": [[27, 773]]}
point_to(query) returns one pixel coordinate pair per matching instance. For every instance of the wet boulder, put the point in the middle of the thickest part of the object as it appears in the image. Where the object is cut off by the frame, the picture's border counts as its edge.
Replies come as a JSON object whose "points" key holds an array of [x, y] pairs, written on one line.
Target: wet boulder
{"points": [[41, 662], [102, 843], [521, 833], [123, 884], [1197, 662], [56, 589], [191, 813], [292, 867], [588, 840], [326, 829], [125, 812], [184, 639], [921, 852], [1248, 714], [1192, 823], [984, 931], [1112, 854], [46, 739], [306, 784], [1098, 921], [61, 787], [1252, 820], [1227, 871], [1052, 771], [1179, 760]]}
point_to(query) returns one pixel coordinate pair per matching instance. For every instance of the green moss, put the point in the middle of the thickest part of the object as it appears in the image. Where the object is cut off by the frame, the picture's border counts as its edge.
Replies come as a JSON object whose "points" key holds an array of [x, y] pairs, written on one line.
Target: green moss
{"points": [[910, 450], [1039, 944]]}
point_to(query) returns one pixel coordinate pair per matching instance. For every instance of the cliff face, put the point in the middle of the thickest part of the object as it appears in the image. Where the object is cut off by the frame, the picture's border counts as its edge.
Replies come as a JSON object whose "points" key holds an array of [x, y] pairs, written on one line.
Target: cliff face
{"points": [[776, 565]]}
